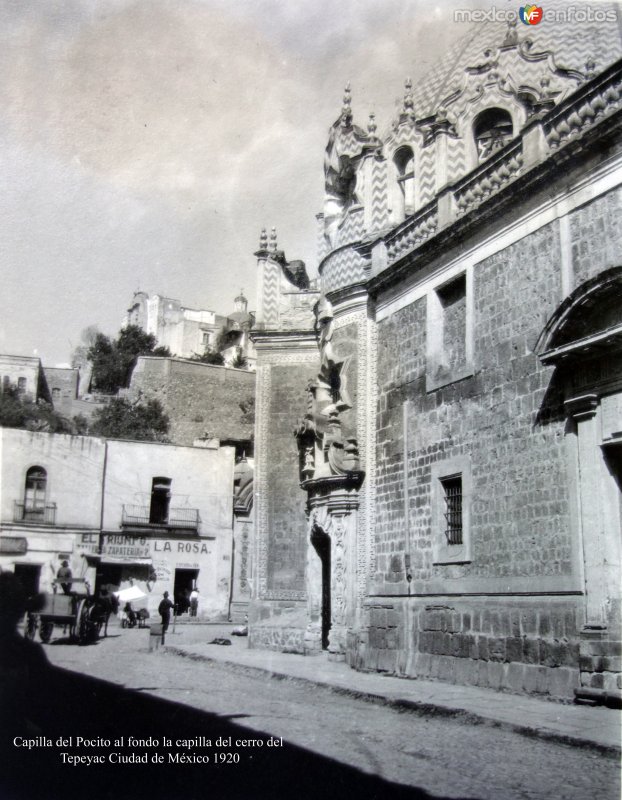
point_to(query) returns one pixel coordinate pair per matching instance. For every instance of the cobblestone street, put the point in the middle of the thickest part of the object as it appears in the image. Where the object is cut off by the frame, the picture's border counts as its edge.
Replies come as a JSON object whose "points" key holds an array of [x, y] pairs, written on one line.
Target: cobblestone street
{"points": [[444, 757]]}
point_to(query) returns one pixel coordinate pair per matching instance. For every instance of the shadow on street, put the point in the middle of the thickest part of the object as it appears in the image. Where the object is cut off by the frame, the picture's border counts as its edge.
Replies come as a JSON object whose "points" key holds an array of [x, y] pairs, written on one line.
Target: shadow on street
{"points": [[53, 703]]}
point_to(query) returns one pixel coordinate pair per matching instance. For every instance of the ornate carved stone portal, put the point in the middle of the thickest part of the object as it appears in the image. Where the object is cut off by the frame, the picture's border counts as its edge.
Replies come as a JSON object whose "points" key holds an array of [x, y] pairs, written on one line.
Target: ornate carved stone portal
{"points": [[330, 474]]}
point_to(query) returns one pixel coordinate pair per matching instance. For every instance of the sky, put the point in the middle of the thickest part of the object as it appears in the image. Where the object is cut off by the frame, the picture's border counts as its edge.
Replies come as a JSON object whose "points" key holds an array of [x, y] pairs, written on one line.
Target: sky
{"points": [[145, 143]]}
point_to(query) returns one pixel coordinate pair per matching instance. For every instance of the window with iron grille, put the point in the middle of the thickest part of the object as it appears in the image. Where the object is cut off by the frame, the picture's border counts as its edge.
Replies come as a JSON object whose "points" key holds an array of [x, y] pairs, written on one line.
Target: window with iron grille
{"points": [[451, 498], [452, 491]]}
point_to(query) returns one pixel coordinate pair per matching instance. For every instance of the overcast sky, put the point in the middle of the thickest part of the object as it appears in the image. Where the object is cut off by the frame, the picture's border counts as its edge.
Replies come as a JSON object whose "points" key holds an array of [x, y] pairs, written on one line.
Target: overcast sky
{"points": [[144, 144]]}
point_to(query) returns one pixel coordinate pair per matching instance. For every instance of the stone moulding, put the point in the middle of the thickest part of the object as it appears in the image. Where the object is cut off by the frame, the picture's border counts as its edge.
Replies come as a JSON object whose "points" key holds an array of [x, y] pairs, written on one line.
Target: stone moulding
{"points": [[339, 493]]}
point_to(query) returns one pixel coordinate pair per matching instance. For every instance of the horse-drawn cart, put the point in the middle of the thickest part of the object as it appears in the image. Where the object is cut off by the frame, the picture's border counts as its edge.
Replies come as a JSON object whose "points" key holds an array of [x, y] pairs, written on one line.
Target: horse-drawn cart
{"points": [[78, 612]]}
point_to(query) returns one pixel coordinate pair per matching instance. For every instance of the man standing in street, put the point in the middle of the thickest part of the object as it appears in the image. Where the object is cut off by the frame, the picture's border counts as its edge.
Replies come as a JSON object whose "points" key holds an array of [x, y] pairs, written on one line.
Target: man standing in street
{"points": [[194, 601], [164, 610], [64, 574]]}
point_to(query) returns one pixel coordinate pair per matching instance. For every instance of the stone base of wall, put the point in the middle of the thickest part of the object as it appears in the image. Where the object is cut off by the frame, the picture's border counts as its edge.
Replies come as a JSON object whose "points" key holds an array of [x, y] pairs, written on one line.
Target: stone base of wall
{"points": [[557, 682], [517, 645], [278, 625], [283, 640], [238, 611], [601, 660]]}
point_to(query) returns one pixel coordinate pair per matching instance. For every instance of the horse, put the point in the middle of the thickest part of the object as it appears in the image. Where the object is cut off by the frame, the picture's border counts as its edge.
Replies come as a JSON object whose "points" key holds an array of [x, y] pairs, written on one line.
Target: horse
{"points": [[103, 606]]}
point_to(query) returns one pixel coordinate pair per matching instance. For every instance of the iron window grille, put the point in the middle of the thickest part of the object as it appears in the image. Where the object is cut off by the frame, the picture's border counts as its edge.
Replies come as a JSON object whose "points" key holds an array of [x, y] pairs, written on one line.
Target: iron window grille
{"points": [[452, 490]]}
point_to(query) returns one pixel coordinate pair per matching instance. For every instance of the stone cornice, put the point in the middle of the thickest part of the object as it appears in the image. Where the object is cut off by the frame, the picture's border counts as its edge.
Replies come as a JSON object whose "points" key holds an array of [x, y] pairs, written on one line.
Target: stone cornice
{"points": [[290, 339]]}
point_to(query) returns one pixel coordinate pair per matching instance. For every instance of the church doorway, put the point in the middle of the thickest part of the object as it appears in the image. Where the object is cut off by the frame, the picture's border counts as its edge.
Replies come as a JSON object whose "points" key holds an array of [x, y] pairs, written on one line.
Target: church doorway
{"points": [[321, 542]]}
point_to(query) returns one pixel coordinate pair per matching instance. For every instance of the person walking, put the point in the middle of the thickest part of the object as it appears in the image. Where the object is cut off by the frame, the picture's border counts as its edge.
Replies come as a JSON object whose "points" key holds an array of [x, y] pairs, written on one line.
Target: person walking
{"points": [[164, 610], [194, 601]]}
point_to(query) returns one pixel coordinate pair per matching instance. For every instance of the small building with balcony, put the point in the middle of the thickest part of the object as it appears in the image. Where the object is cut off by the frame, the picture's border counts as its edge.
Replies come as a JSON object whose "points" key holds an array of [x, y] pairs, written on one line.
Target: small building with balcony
{"points": [[122, 513]]}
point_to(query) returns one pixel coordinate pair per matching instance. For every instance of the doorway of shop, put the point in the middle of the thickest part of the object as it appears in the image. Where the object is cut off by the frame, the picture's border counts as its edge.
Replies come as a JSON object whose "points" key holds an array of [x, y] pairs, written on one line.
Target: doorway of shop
{"points": [[108, 575], [185, 581], [28, 575]]}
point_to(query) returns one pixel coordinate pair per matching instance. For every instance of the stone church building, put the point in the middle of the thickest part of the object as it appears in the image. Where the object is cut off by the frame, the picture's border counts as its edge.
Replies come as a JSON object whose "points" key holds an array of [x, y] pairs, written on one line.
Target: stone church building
{"points": [[439, 421]]}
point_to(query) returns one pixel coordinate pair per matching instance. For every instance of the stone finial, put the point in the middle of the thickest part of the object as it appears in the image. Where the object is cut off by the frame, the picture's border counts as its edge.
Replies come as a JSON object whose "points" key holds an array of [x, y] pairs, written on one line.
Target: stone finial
{"points": [[263, 240], [511, 35], [273, 239], [590, 68], [346, 108], [409, 103], [347, 100], [371, 125]]}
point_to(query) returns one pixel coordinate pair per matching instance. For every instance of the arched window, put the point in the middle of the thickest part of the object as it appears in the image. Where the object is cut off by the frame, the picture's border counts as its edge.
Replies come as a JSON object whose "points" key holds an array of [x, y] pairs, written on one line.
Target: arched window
{"points": [[492, 130], [34, 493], [404, 161]]}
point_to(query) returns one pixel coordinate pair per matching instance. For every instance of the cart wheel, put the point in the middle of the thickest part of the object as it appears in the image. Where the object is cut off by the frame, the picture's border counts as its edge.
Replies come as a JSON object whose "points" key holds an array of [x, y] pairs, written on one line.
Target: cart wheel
{"points": [[45, 631], [124, 623], [83, 622], [31, 626]]}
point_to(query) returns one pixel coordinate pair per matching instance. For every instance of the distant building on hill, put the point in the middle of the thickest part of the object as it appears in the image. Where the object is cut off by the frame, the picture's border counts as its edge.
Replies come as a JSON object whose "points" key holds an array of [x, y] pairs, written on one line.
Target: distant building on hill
{"points": [[191, 333]]}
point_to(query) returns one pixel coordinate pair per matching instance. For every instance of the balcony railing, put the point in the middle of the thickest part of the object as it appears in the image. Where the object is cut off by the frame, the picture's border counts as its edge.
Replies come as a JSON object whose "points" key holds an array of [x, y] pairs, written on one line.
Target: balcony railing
{"points": [[413, 231], [180, 518], [41, 515]]}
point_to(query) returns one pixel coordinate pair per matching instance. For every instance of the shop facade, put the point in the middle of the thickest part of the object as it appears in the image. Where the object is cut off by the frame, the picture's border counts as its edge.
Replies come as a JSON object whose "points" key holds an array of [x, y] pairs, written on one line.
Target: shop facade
{"points": [[155, 516]]}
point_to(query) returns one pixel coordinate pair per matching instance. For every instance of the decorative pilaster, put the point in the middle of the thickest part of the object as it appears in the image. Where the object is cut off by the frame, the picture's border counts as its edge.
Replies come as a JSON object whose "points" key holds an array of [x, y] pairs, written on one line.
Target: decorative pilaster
{"points": [[267, 315]]}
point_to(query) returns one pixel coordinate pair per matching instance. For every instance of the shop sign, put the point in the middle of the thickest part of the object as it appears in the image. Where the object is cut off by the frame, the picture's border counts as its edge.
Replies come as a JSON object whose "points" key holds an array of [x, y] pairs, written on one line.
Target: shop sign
{"points": [[88, 543], [13, 545], [122, 545], [169, 546]]}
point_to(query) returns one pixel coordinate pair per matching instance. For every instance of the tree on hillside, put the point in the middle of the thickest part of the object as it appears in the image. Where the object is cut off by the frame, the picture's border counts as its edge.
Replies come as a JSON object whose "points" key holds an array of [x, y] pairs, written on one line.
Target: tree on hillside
{"points": [[80, 355], [240, 361], [209, 358], [17, 411], [120, 419], [114, 360], [247, 407]]}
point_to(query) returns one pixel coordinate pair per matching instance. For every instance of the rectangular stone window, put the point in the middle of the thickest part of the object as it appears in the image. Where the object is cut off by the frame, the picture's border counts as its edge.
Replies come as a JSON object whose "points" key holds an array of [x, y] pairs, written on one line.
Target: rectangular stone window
{"points": [[452, 490], [448, 333], [451, 497]]}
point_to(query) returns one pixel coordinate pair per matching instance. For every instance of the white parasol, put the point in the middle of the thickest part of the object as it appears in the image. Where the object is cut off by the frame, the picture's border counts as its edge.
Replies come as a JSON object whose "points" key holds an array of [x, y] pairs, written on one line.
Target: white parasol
{"points": [[130, 594]]}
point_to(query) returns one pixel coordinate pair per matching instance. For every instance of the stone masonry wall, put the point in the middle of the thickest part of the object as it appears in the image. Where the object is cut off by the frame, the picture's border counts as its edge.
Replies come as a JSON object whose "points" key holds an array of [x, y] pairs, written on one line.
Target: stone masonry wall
{"points": [[525, 646], [596, 236], [198, 398], [507, 419], [287, 522]]}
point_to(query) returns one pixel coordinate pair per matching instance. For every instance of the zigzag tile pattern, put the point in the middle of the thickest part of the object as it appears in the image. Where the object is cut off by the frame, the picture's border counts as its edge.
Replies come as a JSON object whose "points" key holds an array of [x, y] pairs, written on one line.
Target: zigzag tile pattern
{"points": [[271, 279], [379, 196], [351, 227], [342, 268], [425, 176], [572, 43], [321, 243], [456, 160]]}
